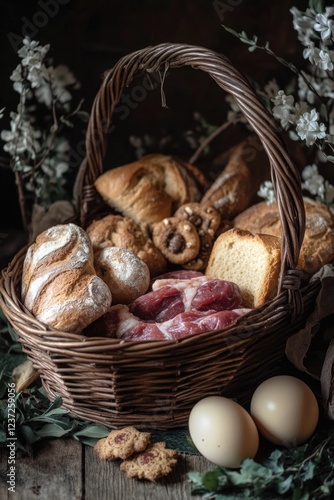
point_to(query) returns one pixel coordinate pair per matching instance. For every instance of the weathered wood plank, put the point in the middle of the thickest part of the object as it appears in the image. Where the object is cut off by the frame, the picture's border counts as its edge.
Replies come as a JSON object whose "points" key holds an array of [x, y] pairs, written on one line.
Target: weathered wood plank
{"points": [[105, 481], [54, 472]]}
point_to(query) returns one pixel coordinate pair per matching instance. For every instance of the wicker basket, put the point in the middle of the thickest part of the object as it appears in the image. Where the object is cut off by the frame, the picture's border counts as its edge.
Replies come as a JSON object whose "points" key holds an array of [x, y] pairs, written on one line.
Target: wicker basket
{"points": [[156, 383]]}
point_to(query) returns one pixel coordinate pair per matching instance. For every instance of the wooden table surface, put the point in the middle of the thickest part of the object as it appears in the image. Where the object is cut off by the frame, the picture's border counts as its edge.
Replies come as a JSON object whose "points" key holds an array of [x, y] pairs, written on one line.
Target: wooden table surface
{"points": [[64, 469]]}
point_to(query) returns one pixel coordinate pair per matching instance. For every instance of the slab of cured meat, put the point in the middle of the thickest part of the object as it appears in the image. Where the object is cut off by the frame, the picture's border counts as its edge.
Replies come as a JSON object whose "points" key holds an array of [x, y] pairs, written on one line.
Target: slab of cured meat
{"points": [[180, 303]]}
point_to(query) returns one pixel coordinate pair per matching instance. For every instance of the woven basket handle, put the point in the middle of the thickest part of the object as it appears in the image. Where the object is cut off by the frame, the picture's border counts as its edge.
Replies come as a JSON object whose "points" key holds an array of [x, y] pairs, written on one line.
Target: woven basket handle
{"points": [[285, 175]]}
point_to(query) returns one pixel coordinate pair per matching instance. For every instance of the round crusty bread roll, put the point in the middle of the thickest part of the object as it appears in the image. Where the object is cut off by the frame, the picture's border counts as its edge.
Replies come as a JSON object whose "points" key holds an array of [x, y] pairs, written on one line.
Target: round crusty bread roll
{"points": [[124, 232], [318, 245], [126, 275], [59, 283], [152, 188]]}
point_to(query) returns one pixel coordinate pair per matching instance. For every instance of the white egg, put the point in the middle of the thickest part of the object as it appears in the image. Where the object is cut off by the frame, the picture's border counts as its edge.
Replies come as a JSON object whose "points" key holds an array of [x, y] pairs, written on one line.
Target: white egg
{"points": [[223, 431], [285, 410]]}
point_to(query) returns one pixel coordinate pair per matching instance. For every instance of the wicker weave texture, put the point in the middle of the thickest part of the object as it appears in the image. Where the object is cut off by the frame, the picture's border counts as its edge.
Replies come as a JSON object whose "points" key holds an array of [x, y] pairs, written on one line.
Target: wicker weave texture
{"points": [[155, 383]]}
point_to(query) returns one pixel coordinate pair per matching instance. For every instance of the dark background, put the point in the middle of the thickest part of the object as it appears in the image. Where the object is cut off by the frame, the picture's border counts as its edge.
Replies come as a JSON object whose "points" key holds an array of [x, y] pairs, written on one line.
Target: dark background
{"points": [[89, 36]]}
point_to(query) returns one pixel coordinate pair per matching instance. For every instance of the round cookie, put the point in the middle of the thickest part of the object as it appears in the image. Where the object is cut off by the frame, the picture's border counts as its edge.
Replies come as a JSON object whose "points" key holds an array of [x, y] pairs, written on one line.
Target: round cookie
{"points": [[205, 218], [176, 239], [126, 275], [202, 258]]}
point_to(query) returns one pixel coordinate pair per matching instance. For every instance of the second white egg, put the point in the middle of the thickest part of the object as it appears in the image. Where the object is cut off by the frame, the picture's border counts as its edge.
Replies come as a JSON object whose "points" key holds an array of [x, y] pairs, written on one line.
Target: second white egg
{"points": [[223, 431]]}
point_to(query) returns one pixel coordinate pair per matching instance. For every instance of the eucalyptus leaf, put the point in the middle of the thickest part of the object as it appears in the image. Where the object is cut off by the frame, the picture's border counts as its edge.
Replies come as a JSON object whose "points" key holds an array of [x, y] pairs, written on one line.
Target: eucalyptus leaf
{"points": [[53, 431], [29, 435], [291, 472], [50, 415], [93, 431], [284, 486]]}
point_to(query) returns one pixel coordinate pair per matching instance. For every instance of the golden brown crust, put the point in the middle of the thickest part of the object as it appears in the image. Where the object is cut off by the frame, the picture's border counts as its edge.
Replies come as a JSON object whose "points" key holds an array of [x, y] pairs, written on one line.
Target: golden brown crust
{"points": [[59, 283], [151, 188], [318, 245], [124, 232], [234, 189], [177, 239], [155, 462], [122, 443]]}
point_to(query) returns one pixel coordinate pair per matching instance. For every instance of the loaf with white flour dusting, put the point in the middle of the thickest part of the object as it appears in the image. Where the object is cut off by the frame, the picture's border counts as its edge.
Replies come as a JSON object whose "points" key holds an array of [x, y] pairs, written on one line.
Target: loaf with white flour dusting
{"points": [[59, 283]]}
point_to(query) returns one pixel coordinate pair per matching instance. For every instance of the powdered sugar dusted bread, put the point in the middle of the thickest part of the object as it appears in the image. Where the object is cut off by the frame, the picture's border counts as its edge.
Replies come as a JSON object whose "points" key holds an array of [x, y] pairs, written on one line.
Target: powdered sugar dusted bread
{"points": [[59, 283], [152, 188], [127, 275], [252, 261], [318, 244]]}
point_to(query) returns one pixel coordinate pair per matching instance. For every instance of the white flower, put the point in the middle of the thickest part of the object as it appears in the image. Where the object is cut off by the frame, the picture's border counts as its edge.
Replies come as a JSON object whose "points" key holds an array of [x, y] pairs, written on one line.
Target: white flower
{"points": [[309, 129], [266, 191], [316, 184], [303, 24], [43, 94], [21, 138], [309, 171], [284, 115], [272, 88], [283, 108], [300, 109], [31, 52], [60, 169], [329, 193], [324, 25], [324, 87], [62, 75], [311, 53], [283, 100], [325, 60]]}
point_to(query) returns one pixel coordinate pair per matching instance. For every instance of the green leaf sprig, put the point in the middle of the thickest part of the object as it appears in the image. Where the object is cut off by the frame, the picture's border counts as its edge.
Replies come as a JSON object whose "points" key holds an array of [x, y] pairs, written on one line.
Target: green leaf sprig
{"points": [[301, 473], [36, 417]]}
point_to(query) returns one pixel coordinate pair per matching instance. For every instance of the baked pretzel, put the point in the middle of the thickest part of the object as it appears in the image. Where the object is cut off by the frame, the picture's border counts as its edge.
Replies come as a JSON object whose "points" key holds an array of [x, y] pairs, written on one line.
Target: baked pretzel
{"points": [[177, 239]]}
